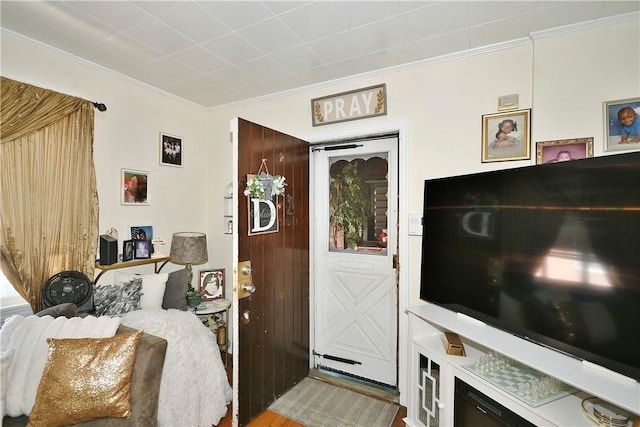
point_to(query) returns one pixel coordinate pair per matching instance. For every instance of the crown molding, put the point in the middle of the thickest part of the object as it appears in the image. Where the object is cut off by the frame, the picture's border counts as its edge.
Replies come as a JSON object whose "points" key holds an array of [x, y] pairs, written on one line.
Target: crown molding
{"points": [[581, 26]]}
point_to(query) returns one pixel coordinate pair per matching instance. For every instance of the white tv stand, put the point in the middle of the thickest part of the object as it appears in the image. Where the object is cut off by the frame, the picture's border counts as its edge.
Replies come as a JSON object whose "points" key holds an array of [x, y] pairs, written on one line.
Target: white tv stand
{"points": [[427, 324]]}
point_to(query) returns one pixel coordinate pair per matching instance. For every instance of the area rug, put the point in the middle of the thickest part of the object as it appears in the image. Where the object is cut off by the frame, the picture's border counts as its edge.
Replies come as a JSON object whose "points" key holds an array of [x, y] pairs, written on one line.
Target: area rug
{"points": [[316, 403]]}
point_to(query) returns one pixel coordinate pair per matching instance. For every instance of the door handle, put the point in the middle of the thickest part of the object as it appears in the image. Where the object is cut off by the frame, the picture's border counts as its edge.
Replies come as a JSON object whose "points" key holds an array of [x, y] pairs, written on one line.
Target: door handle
{"points": [[245, 285]]}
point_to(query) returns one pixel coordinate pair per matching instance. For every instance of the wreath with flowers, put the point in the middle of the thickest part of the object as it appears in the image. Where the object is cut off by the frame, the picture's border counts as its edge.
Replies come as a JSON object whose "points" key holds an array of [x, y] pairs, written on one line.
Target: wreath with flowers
{"points": [[265, 186]]}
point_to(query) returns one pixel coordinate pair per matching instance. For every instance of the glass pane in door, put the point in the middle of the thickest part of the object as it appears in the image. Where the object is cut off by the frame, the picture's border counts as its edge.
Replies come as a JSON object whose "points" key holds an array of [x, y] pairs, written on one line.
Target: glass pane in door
{"points": [[358, 189]]}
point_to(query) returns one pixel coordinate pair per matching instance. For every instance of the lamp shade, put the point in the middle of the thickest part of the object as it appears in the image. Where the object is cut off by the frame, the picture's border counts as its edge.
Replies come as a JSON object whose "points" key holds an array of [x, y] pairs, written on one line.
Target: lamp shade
{"points": [[188, 248]]}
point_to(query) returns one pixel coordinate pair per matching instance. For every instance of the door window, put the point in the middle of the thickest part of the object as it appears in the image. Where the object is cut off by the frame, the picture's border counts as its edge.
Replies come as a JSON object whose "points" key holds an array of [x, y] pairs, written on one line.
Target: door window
{"points": [[358, 204]]}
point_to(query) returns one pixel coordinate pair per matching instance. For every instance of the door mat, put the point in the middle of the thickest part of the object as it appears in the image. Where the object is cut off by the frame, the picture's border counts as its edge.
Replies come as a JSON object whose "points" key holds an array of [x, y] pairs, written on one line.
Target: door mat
{"points": [[316, 403]]}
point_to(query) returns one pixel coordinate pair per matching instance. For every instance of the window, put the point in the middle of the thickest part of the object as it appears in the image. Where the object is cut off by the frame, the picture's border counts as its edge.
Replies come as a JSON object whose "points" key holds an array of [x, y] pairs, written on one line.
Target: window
{"points": [[10, 301]]}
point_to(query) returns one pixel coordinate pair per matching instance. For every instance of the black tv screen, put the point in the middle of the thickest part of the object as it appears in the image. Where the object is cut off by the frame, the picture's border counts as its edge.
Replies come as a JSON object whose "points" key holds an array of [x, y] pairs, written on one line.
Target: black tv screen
{"points": [[550, 253]]}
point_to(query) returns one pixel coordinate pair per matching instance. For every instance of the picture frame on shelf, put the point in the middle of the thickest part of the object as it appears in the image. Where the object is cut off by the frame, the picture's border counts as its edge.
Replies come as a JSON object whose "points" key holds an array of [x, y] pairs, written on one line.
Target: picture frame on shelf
{"points": [[134, 185], [142, 232], [128, 250], [211, 284], [563, 150], [506, 136], [616, 135], [142, 249], [171, 147]]}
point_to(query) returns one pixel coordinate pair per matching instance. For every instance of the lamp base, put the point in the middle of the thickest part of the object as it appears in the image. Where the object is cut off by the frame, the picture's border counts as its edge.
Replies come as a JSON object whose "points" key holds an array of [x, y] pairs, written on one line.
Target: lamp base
{"points": [[189, 275]]}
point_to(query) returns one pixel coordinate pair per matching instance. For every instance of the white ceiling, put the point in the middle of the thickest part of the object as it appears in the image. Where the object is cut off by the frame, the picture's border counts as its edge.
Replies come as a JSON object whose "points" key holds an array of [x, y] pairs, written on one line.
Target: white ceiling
{"points": [[218, 52]]}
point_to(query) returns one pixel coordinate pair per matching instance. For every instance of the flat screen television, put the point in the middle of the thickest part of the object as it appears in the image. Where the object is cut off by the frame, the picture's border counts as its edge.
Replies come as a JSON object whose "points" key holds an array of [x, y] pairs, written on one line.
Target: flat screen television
{"points": [[550, 253]]}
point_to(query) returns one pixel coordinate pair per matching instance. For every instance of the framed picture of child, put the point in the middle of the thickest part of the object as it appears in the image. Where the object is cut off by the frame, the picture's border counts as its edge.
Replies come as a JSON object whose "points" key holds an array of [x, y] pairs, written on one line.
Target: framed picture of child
{"points": [[134, 187], [563, 150], [506, 136], [622, 124], [142, 249], [142, 232], [128, 250], [211, 284]]}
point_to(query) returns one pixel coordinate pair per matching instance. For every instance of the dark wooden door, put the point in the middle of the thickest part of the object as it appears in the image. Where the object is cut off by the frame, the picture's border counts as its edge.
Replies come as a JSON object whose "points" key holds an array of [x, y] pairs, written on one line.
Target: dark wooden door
{"points": [[273, 329]]}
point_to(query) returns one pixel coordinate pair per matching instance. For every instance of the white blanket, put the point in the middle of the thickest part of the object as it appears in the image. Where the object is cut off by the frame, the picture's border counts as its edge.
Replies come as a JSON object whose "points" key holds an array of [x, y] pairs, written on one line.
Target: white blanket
{"points": [[194, 390], [28, 336]]}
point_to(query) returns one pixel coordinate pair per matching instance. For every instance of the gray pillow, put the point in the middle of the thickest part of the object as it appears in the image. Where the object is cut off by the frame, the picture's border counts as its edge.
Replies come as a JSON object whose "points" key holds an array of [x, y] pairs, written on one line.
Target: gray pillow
{"points": [[115, 300], [175, 293], [66, 309]]}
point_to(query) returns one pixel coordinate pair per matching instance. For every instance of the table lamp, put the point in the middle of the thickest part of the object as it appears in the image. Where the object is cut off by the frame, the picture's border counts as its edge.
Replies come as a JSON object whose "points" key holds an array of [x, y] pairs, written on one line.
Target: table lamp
{"points": [[189, 248]]}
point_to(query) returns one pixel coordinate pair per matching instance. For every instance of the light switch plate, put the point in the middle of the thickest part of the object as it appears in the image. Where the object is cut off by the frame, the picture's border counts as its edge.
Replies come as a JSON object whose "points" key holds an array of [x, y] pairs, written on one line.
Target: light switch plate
{"points": [[415, 224]]}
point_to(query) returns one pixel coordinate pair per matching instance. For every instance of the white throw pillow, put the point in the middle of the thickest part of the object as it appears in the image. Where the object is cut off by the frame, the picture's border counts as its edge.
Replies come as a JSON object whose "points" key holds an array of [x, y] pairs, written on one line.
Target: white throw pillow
{"points": [[153, 287], [6, 357]]}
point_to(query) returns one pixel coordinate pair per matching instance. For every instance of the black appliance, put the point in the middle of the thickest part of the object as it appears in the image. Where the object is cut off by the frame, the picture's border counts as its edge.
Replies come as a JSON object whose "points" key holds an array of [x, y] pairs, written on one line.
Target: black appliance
{"points": [[108, 250], [471, 408], [550, 253], [68, 287]]}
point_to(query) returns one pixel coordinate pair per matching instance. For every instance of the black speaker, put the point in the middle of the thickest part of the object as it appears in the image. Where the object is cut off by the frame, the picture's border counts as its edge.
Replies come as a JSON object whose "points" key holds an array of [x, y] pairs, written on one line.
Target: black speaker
{"points": [[108, 250]]}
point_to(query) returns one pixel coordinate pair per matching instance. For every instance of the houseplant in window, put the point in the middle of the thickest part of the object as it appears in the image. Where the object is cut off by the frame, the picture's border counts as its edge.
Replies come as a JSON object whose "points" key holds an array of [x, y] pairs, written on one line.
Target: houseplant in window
{"points": [[348, 207]]}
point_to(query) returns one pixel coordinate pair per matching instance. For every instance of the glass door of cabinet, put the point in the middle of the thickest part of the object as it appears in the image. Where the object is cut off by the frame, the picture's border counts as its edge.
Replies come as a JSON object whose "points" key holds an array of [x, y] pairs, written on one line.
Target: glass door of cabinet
{"points": [[428, 393]]}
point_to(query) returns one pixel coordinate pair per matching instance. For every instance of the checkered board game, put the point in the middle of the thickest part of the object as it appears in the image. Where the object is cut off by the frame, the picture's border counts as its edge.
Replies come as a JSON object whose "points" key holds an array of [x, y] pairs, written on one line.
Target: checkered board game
{"points": [[512, 377]]}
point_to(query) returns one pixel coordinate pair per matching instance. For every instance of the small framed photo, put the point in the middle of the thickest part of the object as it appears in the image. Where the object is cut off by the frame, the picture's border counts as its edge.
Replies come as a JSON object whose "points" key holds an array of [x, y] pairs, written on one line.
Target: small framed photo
{"points": [[211, 284], [622, 124], [142, 232], [506, 136], [142, 249], [128, 250], [170, 150], [134, 185], [563, 150]]}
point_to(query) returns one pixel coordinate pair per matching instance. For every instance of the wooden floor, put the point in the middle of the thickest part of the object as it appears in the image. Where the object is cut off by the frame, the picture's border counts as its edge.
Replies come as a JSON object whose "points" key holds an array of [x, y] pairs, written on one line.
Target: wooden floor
{"points": [[273, 419]]}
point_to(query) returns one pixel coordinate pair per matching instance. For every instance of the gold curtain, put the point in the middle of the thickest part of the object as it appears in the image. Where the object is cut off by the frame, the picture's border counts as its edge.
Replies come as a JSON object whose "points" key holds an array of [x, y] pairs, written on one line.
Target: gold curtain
{"points": [[49, 210]]}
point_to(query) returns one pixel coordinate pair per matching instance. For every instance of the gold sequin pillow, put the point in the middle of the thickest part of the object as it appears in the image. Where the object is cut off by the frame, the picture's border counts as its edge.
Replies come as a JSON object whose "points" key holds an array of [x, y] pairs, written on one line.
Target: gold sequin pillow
{"points": [[85, 379]]}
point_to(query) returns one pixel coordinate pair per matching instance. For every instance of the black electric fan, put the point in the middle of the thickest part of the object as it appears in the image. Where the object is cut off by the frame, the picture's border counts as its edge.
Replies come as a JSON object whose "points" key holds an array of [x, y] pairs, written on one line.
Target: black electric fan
{"points": [[68, 287]]}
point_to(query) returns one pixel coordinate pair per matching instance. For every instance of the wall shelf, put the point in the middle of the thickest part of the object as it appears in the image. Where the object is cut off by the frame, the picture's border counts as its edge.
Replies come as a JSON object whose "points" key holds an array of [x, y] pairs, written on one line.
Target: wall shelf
{"points": [[132, 263]]}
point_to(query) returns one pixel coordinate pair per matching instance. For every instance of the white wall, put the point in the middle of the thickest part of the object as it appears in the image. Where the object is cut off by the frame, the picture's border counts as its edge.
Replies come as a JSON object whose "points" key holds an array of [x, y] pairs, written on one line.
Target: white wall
{"points": [[564, 78]]}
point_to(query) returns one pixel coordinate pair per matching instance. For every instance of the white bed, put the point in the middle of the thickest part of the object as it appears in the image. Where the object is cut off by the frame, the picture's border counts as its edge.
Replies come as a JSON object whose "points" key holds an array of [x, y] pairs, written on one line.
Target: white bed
{"points": [[194, 390]]}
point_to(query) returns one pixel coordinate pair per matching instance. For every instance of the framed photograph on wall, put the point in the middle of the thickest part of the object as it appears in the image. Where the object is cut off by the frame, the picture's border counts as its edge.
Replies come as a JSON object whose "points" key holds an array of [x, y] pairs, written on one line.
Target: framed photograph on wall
{"points": [[128, 250], [622, 124], [211, 284], [142, 249], [506, 136], [170, 150], [134, 187], [563, 150]]}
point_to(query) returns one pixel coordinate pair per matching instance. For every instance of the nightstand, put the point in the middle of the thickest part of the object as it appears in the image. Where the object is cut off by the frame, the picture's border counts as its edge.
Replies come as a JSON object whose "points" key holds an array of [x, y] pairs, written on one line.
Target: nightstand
{"points": [[215, 316]]}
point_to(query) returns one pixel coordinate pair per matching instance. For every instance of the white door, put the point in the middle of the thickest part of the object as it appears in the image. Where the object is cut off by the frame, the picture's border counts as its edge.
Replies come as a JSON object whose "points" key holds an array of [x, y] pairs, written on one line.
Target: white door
{"points": [[356, 288]]}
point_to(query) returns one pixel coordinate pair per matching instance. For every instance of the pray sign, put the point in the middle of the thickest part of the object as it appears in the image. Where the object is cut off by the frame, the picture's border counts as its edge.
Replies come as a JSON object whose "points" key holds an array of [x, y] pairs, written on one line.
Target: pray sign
{"points": [[353, 105]]}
